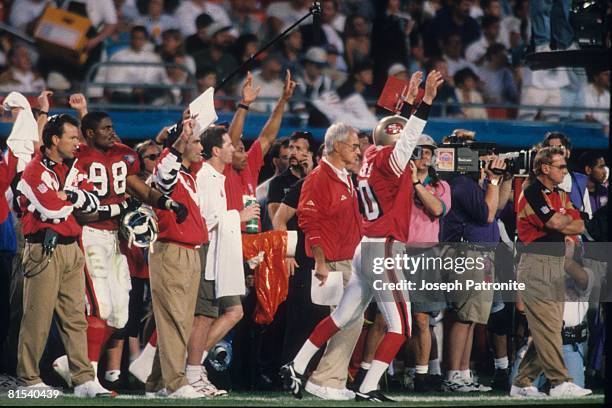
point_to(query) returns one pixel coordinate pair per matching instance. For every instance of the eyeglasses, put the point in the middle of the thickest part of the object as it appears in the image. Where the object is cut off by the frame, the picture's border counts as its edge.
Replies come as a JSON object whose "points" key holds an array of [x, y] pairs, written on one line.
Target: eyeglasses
{"points": [[151, 157], [353, 147], [560, 166]]}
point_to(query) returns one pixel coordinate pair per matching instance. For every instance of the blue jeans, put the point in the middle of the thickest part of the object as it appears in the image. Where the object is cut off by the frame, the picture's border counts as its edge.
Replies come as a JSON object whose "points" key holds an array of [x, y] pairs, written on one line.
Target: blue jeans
{"points": [[573, 356], [551, 17]]}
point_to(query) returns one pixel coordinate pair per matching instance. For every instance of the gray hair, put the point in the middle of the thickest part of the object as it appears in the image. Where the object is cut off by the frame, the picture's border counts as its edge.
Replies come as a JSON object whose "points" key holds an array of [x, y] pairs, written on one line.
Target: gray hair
{"points": [[337, 132], [545, 156]]}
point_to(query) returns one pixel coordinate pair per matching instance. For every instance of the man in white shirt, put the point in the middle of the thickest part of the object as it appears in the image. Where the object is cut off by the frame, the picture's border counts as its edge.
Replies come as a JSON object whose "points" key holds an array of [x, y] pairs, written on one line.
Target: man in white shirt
{"points": [[268, 79], [452, 54], [135, 74], [19, 76], [282, 13], [476, 51], [187, 12], [24, 12], [597, 95], [209, 326]]}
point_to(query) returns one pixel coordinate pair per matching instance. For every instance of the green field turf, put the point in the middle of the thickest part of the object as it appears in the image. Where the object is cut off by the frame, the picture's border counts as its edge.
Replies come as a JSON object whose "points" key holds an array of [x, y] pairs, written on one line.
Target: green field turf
{"points": [[238, 399]]}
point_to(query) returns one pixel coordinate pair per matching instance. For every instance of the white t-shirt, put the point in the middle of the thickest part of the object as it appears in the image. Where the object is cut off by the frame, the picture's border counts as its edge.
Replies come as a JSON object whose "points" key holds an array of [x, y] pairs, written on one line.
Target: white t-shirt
{"points": [[283, 11], [25, 11], [577, 301], [593, 99], [188, 11], [135, 74]]}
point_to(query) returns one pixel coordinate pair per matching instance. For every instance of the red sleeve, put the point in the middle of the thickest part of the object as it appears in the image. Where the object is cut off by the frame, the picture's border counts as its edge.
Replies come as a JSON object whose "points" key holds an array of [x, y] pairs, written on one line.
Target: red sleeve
{"points": [[8, 169], [133, 161], [38, 189], [570, 209], [312, 202], [255, 160]]}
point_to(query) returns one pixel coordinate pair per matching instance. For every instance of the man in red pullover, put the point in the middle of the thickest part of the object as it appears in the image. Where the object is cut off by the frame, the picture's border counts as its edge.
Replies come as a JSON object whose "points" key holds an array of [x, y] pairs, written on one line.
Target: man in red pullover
{"points": [[174, 263], [328, 213]]}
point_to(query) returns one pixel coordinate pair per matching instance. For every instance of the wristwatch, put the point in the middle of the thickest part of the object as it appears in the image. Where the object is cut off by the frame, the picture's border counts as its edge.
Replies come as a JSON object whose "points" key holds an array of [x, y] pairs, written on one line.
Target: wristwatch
{"points": [[494, 181]]}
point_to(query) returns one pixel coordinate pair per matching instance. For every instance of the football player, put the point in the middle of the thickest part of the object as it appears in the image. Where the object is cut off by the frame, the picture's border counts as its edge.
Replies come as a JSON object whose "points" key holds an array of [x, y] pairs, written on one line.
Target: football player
{"points": [[385, 188]]}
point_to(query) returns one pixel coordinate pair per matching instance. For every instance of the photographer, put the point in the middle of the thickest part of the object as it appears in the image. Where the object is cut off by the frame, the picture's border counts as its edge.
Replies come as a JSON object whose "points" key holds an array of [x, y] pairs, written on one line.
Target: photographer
{"points": [[546, 219], [472, 219]]}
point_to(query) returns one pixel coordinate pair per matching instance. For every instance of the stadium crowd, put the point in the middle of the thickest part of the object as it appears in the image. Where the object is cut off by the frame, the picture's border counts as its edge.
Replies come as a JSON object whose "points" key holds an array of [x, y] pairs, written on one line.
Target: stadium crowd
{"points": [[174, 264], [479, 46]]}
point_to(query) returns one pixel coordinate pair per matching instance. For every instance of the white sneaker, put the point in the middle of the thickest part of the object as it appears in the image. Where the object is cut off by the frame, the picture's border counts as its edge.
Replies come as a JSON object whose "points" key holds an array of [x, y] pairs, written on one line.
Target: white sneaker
{"points": [[526, 392], [568, 390], [92, 389], [472, 380], [205, 387], [60, 365], [163, 393], [543, 48], [41, 386], [328, 393], [457, 384], [186, 392]]}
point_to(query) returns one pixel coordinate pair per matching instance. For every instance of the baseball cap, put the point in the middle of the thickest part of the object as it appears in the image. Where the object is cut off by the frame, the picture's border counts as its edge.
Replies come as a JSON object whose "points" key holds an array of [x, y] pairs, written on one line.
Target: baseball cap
{"points": [[316, 55], [396, 69], [218, 27]]}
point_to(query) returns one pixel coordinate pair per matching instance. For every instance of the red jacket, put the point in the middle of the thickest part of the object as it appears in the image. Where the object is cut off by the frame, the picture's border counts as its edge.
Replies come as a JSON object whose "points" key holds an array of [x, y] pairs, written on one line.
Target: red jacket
{"points": [[328, 213], [174, 180], [8, 170], [42, 208]]}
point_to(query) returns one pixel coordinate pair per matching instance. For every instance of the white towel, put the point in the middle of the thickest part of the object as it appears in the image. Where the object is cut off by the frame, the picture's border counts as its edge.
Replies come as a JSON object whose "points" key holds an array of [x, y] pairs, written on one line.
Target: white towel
{"points": [[224, 260], [25, 130]]}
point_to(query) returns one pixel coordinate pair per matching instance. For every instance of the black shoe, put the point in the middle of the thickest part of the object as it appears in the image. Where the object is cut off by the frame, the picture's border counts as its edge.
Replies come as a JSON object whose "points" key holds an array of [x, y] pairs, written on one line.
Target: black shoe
{"points": [[356, 383], [425, 383], [292, 380], [372, 396], [500, 380]]}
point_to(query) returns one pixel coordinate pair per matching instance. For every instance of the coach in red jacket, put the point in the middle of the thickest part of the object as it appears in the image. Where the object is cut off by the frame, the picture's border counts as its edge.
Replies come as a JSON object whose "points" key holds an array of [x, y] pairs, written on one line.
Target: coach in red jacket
{"points": [[174, 263], [328, 213]]}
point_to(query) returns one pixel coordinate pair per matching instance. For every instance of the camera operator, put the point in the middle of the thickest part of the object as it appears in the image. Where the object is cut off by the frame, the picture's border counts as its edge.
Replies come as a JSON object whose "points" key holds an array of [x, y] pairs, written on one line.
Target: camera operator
{"points": [[472, 219], [546, 218]]}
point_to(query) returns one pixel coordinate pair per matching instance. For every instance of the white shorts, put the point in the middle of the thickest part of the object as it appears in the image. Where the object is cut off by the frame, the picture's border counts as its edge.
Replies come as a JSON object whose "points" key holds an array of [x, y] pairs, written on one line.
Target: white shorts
{"points": [[107, 276]]}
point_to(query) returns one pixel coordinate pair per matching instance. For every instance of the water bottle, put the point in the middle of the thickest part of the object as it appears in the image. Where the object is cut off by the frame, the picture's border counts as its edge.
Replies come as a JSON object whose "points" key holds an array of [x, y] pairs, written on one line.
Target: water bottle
{"points": [[252, 225]]}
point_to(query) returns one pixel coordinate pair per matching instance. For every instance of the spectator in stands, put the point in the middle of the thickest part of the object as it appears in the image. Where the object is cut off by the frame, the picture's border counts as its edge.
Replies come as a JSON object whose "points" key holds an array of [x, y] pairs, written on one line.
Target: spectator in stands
{"points": [[207, 78], [135, 74], [551, 19], [103, 16], [446, 92], [156, 21], [597, 95], [25, 12], [314, 83], [245, 46], [466, 82], [268, 80], [218, 54], [452, 52], [200, 40], [516, 28], [455, 18], [475, 52], [328, 31], [365, 141], [497, 79], [189, 8], [242, 16], [356, 39], [178, 75], [417, 54], [337, 75], [284, 13], [172, 46], [359, 82], [19, 75], [573, 182], [291, 51]]}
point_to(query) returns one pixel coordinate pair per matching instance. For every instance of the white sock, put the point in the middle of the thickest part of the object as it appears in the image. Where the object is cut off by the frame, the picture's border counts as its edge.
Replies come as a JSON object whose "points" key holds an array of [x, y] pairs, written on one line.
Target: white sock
{"points": [[94, 364], [370, 382], [466, 375], [204, 355], [434, 367], [452, 373], [193, 372], [300, 362], [365, 366], [112, 375], [501, 363], [421, 369]]}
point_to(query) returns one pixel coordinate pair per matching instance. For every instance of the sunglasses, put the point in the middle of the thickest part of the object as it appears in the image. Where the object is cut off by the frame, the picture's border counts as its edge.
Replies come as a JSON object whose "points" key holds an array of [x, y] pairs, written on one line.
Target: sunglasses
{"points": [[560, 166], [151, 157]]}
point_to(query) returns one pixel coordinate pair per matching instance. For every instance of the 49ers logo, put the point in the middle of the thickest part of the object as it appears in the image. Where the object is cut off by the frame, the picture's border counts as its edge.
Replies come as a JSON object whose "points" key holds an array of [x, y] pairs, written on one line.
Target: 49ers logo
{"points": [[394, 128]]}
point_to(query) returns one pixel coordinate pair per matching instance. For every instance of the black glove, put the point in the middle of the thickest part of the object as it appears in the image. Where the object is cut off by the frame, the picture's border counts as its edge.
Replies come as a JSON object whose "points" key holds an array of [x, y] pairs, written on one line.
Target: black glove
{"points": [[129, 205], [179, 210]]}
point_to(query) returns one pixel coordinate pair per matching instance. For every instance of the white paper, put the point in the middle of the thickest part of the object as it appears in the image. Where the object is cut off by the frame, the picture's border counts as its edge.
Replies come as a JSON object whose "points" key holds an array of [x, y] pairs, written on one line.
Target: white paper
{"points": [[330, 293], [204, 107]]}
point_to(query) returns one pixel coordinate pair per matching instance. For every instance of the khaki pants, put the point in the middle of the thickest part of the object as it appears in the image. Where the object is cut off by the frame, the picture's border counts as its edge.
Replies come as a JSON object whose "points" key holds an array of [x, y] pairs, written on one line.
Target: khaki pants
{"points": [[543, 296], [175, 277], [59, 288], [332, 370]]}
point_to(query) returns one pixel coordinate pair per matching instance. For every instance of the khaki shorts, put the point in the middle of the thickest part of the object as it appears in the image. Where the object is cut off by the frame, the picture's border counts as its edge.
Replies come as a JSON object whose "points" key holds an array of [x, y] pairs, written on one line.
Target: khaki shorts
{"points": [[474, 305], [207, 304]]}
